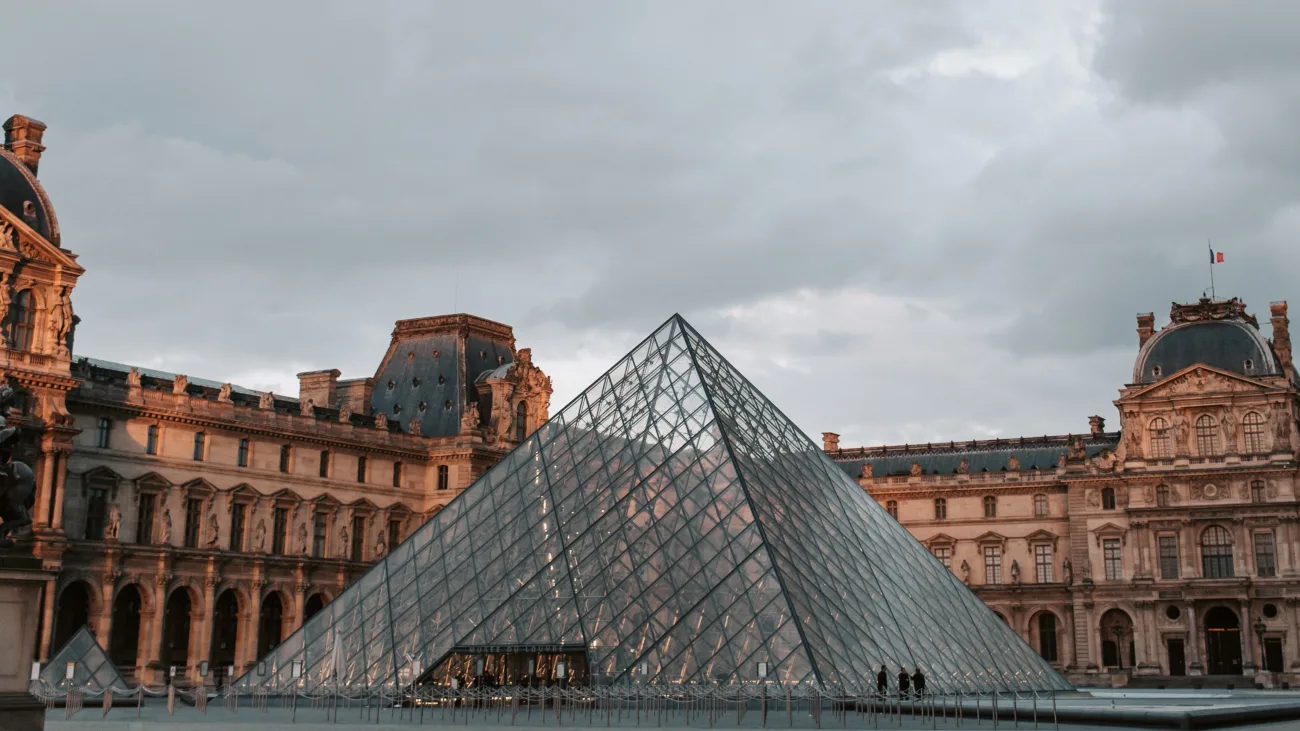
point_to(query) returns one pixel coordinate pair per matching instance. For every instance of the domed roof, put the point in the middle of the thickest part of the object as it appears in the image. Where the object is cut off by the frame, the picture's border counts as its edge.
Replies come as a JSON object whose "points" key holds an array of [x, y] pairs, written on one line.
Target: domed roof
{"points": [[1218, 334], [23, 196]]}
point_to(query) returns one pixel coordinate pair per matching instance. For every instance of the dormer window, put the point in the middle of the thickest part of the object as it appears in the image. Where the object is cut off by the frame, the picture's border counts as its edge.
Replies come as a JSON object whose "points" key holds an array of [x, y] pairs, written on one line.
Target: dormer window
{"points": [[1249, 365], [1155, 371]]}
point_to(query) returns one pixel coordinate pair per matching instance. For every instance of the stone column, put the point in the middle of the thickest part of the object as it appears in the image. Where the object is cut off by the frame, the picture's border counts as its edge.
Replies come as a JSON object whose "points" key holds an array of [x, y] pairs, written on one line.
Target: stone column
{"points": [[1194, 666], [1245, 540], [44, 489], [205, 625], [254, 624], [1293, 637], [155, 637], [1286, 548], [60, 488], [1144, 640], [47, 625], [1247, 640], [105, 629], [1141, 539], [1093, 658]]}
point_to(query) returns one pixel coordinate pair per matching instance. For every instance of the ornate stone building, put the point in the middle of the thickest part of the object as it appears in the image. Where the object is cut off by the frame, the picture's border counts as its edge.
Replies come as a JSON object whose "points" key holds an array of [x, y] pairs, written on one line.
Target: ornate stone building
{"points": [[197, 523], [1167, 548]]}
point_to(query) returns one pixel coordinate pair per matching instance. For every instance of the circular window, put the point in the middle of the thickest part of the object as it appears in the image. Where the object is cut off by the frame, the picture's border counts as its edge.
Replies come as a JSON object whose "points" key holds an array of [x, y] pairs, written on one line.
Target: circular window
{"points": [[397, 408], [1173, 612], [423, 406], [447, 405], [1250, 364], [442, 380], [1155, 371], [392, 385], [415, 381], [1270, 611]]}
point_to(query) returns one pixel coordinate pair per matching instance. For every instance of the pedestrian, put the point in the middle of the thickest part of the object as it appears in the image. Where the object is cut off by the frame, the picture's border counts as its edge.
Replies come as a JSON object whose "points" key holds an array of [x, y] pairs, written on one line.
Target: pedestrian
{"points": [[882, 680], [904, 680], [918, 681]]}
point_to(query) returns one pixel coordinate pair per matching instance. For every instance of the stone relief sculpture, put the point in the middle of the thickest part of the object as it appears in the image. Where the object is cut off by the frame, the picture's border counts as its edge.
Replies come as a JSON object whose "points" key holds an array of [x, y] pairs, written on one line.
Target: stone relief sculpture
{"points": [[965, 572], [214, 530], [343, 539], [307, 407], [302, 538], [1015, 572], [1229, 431], [345, 414], [415, 428], [866, 470], [1013, 464], [224, 395], [381, 545], [166, 536], [133, 377], [266, 401], [259, 536], [381, 421], [916, 469], [963, 467], [1087, 568], [180, 383], [1067, 572], [61, 319], [469, 417], [1281, 429], [1181, 432]]}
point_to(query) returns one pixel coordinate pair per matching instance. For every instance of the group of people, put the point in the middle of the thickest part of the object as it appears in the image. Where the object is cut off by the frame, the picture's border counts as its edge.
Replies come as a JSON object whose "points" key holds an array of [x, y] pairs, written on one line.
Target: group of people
{"points": [[907, 684]]}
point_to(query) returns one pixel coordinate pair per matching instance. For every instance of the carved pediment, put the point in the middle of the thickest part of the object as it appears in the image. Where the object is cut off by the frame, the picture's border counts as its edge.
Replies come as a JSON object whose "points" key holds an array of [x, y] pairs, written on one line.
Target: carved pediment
{"points": [[363, 505], [199, 488], [17, 236], [1110, 530], [285, 495], [1199, 379], [940, 539], [244, 492], [1043, 536], [152, 481], [992, 539], [399, 510]]}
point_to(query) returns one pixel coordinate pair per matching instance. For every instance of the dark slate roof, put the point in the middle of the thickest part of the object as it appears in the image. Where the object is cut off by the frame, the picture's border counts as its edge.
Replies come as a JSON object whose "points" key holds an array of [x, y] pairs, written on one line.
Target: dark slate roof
{"points": [[1223, 344], [422, 380], [17, 184], [990, 455]]}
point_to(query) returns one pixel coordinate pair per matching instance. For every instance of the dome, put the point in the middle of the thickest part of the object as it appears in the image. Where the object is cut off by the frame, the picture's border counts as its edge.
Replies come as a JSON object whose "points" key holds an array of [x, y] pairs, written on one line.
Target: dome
{"points": [[24, 197], [1214, 333]]}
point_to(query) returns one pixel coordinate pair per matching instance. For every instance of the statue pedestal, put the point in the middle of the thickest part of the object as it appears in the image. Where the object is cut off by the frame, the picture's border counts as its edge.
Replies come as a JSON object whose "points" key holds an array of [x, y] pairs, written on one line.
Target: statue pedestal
{"points": [[21, 582]]}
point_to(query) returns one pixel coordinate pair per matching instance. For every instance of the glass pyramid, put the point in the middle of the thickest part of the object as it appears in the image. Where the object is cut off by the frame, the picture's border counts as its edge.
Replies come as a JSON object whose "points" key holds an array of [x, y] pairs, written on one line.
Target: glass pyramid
{"points": [[672, 526], [93, 671]]}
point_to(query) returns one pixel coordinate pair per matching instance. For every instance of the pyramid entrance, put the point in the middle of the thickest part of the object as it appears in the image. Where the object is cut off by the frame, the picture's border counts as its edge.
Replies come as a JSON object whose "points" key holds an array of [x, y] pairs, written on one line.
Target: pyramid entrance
{"points": [[669, 526]]}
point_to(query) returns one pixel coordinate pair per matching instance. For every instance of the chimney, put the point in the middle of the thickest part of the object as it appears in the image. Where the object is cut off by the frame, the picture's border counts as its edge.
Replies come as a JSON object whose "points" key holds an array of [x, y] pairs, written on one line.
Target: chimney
{"points": [[23, 139], [1146, 327], [1097, 425], [830, 441], [355, 393], [319, 387], [1281, 334]]}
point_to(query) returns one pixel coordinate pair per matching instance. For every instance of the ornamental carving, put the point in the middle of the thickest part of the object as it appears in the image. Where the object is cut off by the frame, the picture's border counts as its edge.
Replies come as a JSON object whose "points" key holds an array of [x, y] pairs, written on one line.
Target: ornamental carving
{"points": [[307, 407], [381, 420], [1207, 309], [7, 236], [180, 383], [345, 414], [963, 467], [266, 401], [916, 470], [866, 470], [224, 394]]}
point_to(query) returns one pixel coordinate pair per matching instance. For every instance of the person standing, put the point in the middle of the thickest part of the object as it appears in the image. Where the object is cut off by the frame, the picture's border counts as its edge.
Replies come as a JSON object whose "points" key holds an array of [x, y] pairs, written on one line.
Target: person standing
{"points": [[882, 680], [918, 681], [904, 682]]}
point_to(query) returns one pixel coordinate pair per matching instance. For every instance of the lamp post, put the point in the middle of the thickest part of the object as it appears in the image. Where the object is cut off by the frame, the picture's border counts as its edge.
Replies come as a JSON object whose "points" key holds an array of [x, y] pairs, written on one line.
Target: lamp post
{"points": [[1260, 628]]}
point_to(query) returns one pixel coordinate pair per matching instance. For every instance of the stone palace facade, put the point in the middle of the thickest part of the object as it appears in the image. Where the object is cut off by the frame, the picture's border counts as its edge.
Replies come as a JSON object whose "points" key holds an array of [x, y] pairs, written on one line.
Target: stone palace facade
{"points": [[196, 523], [1166, 548]]}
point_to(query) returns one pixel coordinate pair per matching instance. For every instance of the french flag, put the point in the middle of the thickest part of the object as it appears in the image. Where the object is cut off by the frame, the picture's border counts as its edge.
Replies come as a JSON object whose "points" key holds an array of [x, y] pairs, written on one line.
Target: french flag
{"points": [[1216, 257]]}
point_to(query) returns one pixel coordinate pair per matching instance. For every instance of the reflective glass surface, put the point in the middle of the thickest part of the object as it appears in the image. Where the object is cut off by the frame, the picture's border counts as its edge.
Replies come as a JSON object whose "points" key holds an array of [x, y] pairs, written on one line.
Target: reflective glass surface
{"points": [[94, 672], [681, 528]]}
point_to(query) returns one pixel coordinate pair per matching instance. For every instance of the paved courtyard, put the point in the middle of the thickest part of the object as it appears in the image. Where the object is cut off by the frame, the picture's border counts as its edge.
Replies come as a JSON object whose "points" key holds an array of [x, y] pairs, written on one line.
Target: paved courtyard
{"points": [[1110, 709]]}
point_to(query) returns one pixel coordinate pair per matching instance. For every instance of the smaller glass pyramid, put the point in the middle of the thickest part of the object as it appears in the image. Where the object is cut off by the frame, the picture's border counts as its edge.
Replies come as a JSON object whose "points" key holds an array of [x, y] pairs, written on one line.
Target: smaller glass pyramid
{"points": [[669, 526], [93, 671]]}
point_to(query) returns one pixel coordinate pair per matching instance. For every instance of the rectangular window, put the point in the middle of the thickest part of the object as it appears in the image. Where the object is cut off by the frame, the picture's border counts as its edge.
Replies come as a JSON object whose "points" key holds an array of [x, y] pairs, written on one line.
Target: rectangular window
{"points": [[279, 531], [144, 519], [103, 428], [1113, 559], [325, 463], [96, 509], [237, 514], [1169, 557], [944, 554], [397, 474], [1265, 562], [394, 533], [358, 537], [193, 521], [285, 453], [151, 440], [318, 536], [992, 565], [199, 439], [243, 452], [1043, 563], [361, 468], [442, 477]]}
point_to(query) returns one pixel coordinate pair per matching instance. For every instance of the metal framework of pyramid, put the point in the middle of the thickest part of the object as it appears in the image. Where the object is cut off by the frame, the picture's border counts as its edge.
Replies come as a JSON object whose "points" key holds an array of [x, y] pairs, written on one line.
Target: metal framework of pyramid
{"points": [[92, 670], [676, 527]]}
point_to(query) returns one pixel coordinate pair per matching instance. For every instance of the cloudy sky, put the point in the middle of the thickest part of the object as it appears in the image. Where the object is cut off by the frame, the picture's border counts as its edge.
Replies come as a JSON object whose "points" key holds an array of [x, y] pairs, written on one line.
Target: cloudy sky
{"points": [[904, 221]]}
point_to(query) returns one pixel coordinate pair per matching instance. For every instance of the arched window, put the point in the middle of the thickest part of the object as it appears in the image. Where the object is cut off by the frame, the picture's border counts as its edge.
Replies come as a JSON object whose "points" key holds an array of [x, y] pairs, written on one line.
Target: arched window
{"points": [[23, 321], [1040, 506], [521, 421], [1207, 436], [940, 509], [1160, 442], [1162, 496], [1252, 427], [1257, 491], [1047, 636], [990, 506], [1107, 498], [1216, 553], [892, 507]]}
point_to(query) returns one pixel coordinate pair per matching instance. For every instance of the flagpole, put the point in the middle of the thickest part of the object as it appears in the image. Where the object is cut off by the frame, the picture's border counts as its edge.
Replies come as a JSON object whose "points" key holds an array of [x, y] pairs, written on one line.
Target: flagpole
{"points": [[1211, 248]]}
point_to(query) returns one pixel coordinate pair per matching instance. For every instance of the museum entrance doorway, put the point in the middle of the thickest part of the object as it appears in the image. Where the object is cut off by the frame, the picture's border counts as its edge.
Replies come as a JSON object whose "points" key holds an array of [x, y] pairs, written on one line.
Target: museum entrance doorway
{"points": [[1222, 642], [1177, 656]]}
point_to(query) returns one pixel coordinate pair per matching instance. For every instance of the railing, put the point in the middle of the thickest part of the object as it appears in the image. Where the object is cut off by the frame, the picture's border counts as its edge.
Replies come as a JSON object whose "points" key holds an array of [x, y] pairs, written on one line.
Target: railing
{"points": [[758, 704]]}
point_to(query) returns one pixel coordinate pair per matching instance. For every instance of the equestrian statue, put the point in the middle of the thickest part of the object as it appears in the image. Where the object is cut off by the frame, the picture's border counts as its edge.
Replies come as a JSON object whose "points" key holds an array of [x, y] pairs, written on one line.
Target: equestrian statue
{"points": [[17, 481]]}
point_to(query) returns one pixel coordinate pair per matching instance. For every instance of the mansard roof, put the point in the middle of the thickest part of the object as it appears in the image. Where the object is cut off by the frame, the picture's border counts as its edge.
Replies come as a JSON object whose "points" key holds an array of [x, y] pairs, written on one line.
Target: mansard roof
{"points": [[988, 455], [1217, 333]]}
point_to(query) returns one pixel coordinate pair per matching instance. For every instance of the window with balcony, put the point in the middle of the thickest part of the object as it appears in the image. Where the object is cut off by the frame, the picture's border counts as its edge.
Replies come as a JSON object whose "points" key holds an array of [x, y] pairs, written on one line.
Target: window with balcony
{"points": [[319, 531], [357, 551], [238, 514], [96, 511], [280, 531], [144, 512]]}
